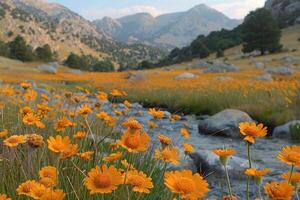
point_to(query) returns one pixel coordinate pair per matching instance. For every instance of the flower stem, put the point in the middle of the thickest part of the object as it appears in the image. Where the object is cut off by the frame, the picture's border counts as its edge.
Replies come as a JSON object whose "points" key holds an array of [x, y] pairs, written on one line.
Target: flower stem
{"points": [[228, 181], [291, 173], [250, 165], [297, 195], [259, 192]]}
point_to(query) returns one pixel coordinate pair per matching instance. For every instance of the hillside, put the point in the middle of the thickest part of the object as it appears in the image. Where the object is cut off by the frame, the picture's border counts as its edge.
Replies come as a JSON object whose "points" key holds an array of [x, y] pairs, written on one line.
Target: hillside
{"points": [[42, 23], [168, 30]]}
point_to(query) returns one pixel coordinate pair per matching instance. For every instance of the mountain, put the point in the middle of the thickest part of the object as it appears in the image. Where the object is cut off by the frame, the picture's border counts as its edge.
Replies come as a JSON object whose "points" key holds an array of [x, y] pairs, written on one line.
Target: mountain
{"points": [[287, 12], [42, 23], [168, 30]]}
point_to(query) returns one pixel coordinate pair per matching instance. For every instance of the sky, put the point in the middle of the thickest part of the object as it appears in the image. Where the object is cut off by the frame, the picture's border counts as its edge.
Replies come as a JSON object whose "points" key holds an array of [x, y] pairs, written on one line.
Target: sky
{"points": [[97, 9]]}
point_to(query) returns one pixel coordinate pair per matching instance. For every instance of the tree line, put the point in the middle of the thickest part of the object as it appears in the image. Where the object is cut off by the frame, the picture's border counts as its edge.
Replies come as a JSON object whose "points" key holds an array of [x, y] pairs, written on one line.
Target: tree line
{"points": [[259, 31], [18, 49]]}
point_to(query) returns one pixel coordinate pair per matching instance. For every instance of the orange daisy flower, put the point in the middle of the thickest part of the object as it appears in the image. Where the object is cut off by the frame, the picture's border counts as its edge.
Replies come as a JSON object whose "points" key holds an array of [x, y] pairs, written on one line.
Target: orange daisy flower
{"points": [[139, 181], [84, 110], [135, 142], [164, 140], [257, 174], [188, 148], [157, 114], [3, 133], [86, 155], [104, 180], [279, 190], [14, 140], [168, 154], [186, 184], [113, 157], [62, 124], [59, 143], [132, 123], [102, 96], [290, 155], [152, 125], [53, 195], [4, 197], [252, 131], [185, 133], [224, 154], [80, 135], [295, 178]]}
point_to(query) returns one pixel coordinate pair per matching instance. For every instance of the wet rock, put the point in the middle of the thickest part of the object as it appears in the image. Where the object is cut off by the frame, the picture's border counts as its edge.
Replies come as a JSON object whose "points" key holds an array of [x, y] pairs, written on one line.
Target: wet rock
{"points": [[207, 162], [280, 71], [283, 131], [265, 77], [47, 69], [224, 123], [185, 75]]}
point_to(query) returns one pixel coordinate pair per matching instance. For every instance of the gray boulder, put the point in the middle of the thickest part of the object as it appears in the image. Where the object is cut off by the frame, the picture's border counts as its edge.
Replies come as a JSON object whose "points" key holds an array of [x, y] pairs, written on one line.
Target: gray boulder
{"points": [[221, 68], [280, 71], [136, 76], [47, 69], [207, 162], [259, 65], [265, 77], [200, 64], [288, 59], [283, 131], [74, 71], [185, 75], [225, 123]]}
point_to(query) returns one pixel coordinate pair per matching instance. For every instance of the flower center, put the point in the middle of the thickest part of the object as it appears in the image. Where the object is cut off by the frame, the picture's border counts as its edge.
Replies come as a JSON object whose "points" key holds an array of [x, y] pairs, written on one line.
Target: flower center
{"points": [[185, 185], [102, 181], [132, 141], [13, 140]]}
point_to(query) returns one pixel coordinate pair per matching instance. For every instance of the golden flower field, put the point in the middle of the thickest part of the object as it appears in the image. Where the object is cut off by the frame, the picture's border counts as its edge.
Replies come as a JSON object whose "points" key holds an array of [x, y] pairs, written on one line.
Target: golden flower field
{"points": [[63, 145]]}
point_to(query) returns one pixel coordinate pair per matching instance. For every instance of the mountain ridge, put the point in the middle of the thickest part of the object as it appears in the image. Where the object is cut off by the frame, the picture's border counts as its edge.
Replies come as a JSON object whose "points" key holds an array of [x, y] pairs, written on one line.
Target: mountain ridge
{"points": [[166, 30], [65, 31]]}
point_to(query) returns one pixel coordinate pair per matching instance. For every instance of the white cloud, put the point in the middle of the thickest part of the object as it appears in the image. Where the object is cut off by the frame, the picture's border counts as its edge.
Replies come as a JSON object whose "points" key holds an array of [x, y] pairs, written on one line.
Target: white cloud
{"points": [[238, 8], [119, 12]]}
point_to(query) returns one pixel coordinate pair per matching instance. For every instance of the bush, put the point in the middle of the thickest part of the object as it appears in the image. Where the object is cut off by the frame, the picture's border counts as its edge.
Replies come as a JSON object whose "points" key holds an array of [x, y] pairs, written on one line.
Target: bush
{"points": [[20, 50], [220, 53], [4, 49], [103, 66], [295, 132], [88, 63], [44, 53]]}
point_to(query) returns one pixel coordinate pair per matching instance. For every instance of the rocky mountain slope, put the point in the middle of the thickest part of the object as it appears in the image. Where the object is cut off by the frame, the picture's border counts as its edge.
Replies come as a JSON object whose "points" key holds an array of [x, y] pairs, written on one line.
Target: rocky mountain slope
{"points": [[168, 30], [286, 11], [42, 23]]}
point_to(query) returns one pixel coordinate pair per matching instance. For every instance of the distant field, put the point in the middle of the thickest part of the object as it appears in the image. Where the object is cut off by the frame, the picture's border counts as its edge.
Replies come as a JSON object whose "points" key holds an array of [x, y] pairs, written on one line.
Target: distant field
{"points": [[272, 102]]}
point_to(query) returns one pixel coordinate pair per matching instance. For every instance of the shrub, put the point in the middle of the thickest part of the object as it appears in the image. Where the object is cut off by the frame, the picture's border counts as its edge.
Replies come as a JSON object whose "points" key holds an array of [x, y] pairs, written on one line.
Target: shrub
{"points": [[44, 53], [103, 66], [220, 53], [295, 132], [20, 50]]}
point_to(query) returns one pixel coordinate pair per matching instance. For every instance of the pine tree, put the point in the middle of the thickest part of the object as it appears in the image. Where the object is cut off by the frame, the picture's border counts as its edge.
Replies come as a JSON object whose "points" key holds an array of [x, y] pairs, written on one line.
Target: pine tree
{"points": [[261, 32]]}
